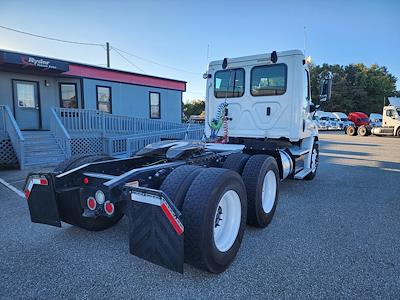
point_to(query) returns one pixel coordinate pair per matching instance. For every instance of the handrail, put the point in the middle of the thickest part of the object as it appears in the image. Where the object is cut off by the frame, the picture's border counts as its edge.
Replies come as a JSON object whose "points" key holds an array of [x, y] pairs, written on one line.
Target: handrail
{"points": [[14, 133], [60, 133], [86, 120], [127, 145]]}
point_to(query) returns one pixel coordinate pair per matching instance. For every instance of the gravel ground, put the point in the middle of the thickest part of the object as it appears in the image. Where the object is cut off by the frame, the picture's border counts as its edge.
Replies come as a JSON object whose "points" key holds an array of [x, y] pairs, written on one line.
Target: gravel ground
{"points": [[337, 236]]}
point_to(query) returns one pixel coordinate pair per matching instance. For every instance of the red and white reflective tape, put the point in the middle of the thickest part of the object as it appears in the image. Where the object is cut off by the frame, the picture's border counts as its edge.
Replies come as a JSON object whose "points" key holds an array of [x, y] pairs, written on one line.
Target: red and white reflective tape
{"points": [[167, 210], [32, 181], [175, 222]]}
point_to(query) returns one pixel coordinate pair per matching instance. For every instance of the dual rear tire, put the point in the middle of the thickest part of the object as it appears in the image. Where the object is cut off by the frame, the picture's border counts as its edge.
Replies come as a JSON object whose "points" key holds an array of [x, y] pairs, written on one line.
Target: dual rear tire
{"points": [[216, 202]]}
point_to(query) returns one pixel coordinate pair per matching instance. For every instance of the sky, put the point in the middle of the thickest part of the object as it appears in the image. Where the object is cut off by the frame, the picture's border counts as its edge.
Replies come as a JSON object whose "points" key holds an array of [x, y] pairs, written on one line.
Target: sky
{"points": [[183, 36]]}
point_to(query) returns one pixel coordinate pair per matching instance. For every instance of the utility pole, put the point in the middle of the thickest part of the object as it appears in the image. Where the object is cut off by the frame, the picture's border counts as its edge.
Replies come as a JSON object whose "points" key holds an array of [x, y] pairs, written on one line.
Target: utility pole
{"points": [[108, 54]]}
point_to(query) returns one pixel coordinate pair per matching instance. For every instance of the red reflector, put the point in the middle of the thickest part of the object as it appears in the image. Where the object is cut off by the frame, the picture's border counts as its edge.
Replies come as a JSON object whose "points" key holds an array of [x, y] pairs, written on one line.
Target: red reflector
{"points": [[109, 208], [85, 180], [91, 203], [27, 193], [43, 181]]}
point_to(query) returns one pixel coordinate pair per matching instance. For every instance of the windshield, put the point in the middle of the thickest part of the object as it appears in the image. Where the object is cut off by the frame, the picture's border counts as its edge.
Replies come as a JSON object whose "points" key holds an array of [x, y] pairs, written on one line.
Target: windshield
{"points": [[364, 120], [344, 119], [324, 118], [398, 112]]}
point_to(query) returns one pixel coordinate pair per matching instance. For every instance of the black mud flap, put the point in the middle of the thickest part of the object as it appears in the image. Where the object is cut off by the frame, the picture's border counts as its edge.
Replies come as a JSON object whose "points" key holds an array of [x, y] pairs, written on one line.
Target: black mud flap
{"points": [[41, 196], [155, 228]]}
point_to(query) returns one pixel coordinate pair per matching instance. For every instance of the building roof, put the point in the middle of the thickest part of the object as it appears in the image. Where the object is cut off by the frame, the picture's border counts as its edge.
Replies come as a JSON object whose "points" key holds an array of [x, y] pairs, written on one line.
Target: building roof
{"points": [[32, 62]]}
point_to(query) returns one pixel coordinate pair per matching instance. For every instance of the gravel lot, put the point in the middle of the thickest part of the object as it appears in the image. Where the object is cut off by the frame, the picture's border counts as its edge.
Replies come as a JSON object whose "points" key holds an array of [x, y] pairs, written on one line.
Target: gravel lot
{"points": [[337, 236]]}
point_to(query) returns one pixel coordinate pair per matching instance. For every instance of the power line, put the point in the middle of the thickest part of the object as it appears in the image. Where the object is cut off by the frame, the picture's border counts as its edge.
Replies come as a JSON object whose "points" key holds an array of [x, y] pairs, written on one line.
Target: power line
{"points": [[50, 38], [127, 60], [117, 50], [154, 62]]}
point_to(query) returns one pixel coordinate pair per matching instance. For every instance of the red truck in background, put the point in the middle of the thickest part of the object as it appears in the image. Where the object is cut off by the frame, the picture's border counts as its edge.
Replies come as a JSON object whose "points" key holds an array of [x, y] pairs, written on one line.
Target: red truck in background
{"points": [[361, 124]]}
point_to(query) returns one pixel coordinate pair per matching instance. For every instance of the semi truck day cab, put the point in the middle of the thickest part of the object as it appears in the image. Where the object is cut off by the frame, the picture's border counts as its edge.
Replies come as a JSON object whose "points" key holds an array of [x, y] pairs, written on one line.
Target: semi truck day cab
{"points": [[189, 201], [361, 124], [390, 122]]}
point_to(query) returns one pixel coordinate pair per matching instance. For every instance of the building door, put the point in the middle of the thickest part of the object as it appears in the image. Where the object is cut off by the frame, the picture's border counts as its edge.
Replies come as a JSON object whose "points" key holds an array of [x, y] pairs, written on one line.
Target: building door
{"points": [[26, 104]]}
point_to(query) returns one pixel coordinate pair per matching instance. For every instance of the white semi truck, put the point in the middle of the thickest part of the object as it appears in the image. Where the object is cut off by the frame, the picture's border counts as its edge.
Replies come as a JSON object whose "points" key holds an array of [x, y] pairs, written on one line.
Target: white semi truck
{"points": [[189, 201], [342, 120], [390, 121]]}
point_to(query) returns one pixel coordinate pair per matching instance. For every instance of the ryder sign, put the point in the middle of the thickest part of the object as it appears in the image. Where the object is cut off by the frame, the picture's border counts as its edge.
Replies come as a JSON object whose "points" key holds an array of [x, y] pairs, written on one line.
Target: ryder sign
{"points": [[29, 61]]}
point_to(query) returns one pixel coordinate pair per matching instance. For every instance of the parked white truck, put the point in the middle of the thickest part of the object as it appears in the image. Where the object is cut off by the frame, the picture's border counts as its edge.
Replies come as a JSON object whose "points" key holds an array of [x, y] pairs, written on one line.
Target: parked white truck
{"points": [[390, 122], [375, 120], [189, 201], [342, 120]]}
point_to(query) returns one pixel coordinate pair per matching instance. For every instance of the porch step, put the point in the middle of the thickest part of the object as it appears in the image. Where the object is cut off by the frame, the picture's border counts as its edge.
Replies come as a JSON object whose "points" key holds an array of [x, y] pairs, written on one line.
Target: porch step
{"points": [[48, 161], [41, 149], [35, 134]]}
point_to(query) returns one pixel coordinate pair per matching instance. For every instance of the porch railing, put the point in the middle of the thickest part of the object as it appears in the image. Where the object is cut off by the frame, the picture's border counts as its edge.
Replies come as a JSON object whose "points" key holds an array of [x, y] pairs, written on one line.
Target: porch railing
{"points": [[60, 133], [125, 146], [90, 121], [9, 126]]}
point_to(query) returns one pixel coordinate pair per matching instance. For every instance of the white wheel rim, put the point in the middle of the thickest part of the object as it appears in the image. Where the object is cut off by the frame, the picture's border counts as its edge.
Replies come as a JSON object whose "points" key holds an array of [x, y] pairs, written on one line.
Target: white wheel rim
{"points": [[227, 220], [314, 160], [269, 191]]}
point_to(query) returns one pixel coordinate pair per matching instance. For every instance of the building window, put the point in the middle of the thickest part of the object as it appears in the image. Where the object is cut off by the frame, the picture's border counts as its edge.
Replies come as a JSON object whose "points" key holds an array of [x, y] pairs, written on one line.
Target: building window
{"points": [[269, 80], [68, 95], [155, 112], [26, 94], [229, 83], [104, 98]]}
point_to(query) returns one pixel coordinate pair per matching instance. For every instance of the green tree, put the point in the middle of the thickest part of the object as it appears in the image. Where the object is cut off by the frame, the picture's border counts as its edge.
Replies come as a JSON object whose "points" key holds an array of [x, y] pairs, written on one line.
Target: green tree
{"points": [[355, 87], [194, 107]]}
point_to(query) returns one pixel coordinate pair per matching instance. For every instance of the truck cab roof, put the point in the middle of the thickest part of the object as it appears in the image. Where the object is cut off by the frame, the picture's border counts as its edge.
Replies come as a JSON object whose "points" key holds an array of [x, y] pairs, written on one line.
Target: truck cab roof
{"points": [[256, 58]]}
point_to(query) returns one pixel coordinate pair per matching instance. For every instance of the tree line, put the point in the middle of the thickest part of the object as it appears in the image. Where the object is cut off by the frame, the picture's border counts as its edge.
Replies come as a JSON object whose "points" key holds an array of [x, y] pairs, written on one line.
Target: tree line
{"points": [[355, 87]]}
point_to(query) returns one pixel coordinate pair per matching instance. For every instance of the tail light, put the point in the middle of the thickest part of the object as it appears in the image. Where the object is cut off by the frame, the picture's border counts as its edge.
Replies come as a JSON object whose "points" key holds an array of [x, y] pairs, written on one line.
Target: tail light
{"points": [[91, 203], [109, 208]]}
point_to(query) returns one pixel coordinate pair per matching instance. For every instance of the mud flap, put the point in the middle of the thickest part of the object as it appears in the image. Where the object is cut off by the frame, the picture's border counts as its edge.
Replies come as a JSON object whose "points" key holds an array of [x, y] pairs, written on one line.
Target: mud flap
{"points": [[155, 228], [41, 196]]}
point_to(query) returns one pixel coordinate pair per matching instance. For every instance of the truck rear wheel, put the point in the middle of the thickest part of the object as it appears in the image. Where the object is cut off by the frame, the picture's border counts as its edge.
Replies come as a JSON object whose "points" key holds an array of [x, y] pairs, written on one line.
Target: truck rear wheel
{"points": [[177, 183], [362, 130], [70, 205], [261, 178], [214, 216], [351, 130], [236, 162]]}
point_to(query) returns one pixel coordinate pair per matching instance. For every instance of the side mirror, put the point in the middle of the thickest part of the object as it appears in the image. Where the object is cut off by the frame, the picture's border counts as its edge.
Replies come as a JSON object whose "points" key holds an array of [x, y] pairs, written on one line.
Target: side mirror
{"points": [[326, 86]]}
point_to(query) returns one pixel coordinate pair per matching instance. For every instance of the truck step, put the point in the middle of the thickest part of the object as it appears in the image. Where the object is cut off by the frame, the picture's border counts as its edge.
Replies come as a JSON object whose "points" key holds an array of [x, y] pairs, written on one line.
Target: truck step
{"points": [[303, 173], [297, 151]]}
